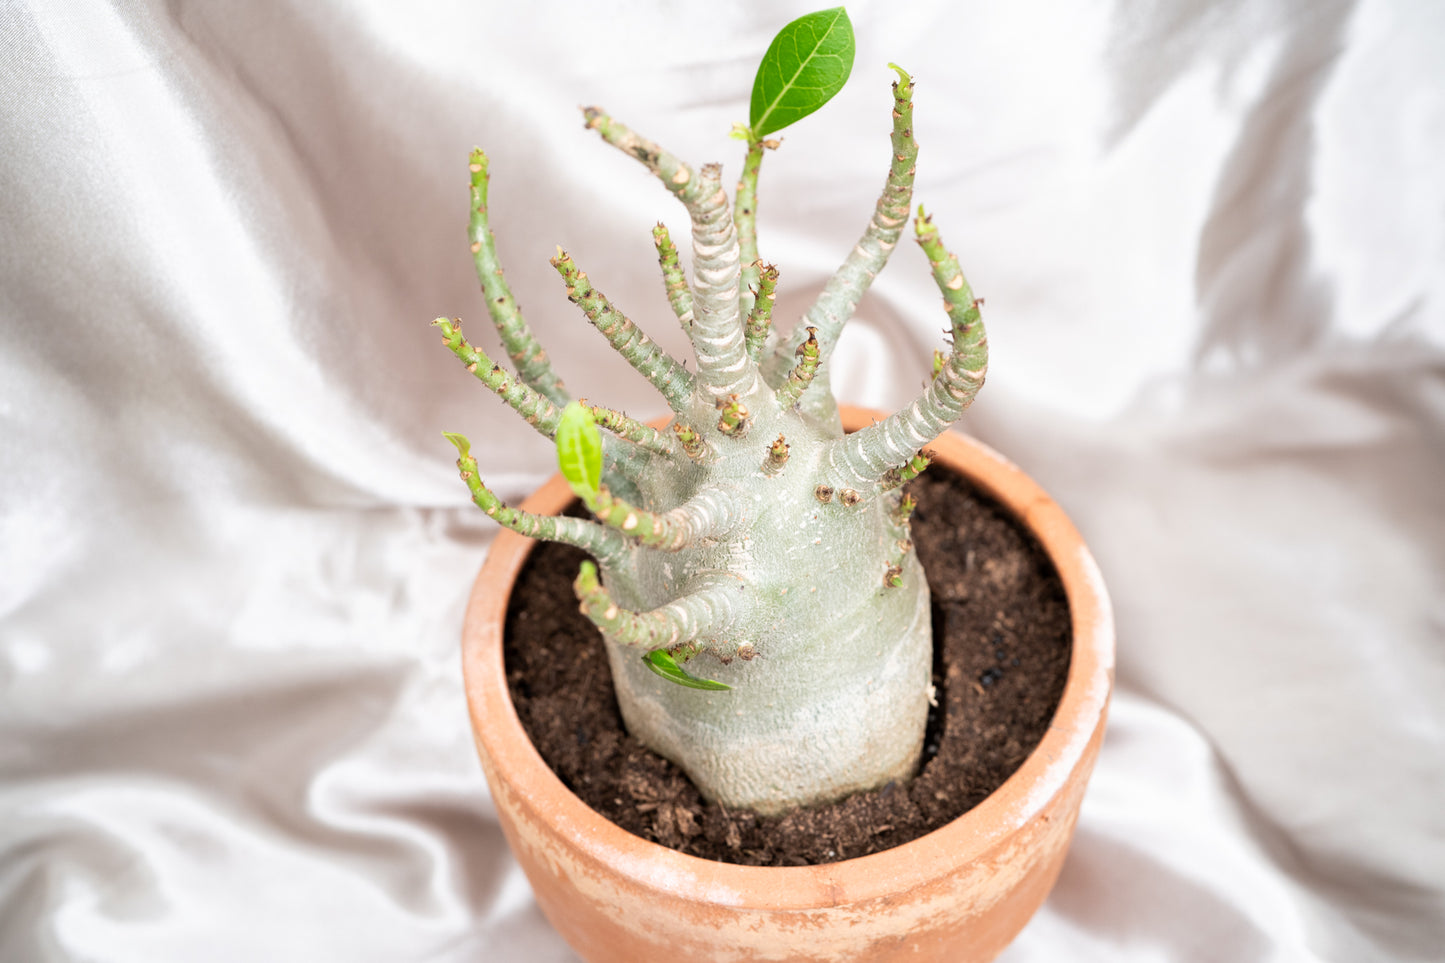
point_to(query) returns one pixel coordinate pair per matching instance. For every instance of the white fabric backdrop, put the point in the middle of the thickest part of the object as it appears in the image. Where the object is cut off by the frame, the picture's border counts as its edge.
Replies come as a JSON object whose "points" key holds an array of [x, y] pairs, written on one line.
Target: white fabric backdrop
{"points": [[234, 553]]}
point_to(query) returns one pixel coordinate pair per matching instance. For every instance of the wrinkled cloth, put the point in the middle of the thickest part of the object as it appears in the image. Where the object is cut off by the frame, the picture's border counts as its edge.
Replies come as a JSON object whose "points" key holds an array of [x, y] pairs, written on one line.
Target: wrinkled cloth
{"points": [[234, 552]]}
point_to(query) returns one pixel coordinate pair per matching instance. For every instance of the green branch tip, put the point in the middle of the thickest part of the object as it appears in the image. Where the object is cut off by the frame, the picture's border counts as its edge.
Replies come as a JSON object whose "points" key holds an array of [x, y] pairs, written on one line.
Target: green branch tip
{"points": [[904, 79], [733, 418], [760, 315], [902, 474], [807, 353], [586, 582], [693, 445], [777, 456]]}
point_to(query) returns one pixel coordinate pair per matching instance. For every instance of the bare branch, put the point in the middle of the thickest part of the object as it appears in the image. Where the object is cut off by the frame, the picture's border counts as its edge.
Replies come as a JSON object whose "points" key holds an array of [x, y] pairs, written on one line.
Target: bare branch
{"points": [[760, 318], [802, 374], [702, 613], [840, 297], [589, 536], [870, 453], [745, 216], [712, 512], [534, 407], [667, 374], [724, 367], [522, 347], [630, 429], [679, 295]]}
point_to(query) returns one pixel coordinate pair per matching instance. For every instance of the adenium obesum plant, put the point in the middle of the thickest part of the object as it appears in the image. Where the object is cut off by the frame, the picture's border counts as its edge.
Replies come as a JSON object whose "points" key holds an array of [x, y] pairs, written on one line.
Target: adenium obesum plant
{"points": [[752, 541]]}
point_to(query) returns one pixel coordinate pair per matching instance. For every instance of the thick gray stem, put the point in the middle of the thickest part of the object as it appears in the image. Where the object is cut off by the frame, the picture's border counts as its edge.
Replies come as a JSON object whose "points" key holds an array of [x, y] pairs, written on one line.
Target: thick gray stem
{"points": [[723, 365]]}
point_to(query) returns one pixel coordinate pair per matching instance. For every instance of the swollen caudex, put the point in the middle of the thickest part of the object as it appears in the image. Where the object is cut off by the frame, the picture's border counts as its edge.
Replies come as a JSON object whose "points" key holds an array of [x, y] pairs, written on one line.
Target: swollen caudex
{"points": [[755, 582]]}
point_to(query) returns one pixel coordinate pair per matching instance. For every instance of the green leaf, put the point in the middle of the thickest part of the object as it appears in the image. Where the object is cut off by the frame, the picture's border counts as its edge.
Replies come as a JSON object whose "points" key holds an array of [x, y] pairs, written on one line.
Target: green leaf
{"points": [[662, 662], [464, 447], [806, 64], [579, 451]]}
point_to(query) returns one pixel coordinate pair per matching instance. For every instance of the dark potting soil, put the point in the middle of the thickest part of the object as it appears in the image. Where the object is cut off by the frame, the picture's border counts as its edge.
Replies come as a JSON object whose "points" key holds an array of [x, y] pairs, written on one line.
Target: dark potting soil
{"points": [[1001, 652]]}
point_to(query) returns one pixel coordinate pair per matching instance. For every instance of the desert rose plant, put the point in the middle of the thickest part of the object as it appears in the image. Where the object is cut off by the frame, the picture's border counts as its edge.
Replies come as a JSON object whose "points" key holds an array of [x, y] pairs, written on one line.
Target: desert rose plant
{"points": [[765, 617]]}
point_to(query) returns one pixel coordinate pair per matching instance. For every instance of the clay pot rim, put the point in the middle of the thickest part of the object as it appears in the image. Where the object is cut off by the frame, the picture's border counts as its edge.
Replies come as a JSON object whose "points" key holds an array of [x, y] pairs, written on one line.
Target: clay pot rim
{"points": [[1025, 795]]}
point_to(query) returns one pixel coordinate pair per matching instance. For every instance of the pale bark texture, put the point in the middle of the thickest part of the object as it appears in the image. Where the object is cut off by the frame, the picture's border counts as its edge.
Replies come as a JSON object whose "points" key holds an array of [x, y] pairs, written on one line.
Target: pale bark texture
{"points": [[755, 544]]}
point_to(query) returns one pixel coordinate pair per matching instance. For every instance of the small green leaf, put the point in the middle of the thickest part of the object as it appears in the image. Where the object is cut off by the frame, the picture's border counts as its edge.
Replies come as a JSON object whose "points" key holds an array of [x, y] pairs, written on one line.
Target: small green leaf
{"points": [[464, 447], [806, 64], [579, 451], [662, 662]]}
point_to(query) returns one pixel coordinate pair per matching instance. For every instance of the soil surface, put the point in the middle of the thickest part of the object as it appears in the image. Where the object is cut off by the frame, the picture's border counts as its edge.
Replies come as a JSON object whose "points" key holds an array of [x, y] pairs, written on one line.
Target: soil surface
{"points": [[1001, 653]]}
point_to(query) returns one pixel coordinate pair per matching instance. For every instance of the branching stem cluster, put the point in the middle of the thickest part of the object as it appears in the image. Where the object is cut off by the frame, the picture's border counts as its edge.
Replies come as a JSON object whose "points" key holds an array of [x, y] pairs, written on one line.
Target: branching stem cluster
{"points": [[745, 373]]}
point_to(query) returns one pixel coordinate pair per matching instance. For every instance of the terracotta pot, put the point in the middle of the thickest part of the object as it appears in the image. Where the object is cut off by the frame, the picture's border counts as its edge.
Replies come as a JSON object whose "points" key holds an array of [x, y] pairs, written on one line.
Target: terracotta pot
{"points": [[960, 893]]}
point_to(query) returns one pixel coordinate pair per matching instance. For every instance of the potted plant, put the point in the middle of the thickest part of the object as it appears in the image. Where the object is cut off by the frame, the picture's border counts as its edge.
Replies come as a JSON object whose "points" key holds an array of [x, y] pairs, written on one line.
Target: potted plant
{"points": [[765, 616]]}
